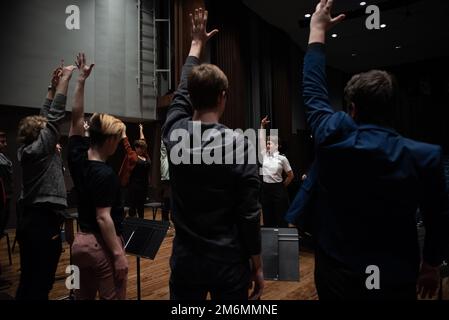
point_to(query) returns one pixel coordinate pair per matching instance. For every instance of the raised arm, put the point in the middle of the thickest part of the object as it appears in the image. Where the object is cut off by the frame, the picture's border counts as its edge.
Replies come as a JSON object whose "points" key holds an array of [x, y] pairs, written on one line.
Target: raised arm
{"points": [[77, 126], [130, 153], [56, 113], [142, 135], [181, 106], [263, 135], [51, 91], [316, 97], [49, 135]]}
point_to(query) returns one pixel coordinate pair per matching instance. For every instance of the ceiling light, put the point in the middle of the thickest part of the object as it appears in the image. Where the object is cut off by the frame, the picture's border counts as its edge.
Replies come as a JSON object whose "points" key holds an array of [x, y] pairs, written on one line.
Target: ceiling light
{"points": [[334, 35], [383, 25], [308, 15]]}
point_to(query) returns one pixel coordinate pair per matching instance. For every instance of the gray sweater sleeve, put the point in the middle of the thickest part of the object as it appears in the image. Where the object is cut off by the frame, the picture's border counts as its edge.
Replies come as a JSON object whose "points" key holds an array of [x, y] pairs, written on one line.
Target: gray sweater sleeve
{"points": [[46, 108]]}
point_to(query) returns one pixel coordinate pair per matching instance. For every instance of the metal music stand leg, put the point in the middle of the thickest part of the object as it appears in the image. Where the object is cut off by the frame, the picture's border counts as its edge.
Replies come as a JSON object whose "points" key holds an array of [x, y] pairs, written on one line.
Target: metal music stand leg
{"points": [[138, 278]]}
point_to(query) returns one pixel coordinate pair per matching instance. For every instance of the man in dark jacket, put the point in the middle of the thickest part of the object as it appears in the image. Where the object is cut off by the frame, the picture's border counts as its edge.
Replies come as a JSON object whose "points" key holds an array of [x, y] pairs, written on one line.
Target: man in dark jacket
{"points": [[216, 211], [370, 182]]}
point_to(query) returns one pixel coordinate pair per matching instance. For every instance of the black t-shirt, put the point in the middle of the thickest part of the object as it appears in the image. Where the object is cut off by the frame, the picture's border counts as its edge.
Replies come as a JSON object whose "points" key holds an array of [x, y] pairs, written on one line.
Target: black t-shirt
{"points": [[97, 185]]}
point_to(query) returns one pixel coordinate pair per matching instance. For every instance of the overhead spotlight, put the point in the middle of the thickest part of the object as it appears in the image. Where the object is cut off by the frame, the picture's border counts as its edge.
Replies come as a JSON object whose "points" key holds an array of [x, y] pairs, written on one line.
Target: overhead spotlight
{"points": [[363, 3], [383, 25], [334, 35], [308, 15]]}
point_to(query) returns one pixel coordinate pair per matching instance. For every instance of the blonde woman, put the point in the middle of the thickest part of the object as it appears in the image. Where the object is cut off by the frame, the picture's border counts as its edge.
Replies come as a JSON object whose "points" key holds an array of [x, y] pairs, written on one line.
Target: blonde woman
{"points": [[98, 249]]}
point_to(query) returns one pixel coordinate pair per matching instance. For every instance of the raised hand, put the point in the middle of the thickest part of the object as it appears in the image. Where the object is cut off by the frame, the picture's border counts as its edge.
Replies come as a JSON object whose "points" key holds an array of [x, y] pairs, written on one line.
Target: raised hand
{"points": [[322, 19], [67, 72], [84, 68], [265, 121], [56, 76], [199, 34], [199, 25]]}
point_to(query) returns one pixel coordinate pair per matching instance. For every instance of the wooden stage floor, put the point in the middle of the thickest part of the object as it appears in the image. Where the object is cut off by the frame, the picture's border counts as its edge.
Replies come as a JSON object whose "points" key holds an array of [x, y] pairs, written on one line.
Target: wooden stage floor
{"points": [[155, 275]]}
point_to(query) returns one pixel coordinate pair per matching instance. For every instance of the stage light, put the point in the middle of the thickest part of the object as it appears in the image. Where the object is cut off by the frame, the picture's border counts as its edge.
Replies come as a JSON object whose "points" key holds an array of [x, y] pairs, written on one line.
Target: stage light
{"points": [[383, 25], [334, 35], [308, 15], [398, 47], [363, 3], [354, 54]]}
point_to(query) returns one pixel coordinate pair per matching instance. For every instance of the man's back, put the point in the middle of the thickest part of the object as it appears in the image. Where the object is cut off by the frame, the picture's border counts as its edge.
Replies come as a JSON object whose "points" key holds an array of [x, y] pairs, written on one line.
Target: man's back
{"points": [[215, 206], [371, 181], [369, 200]]}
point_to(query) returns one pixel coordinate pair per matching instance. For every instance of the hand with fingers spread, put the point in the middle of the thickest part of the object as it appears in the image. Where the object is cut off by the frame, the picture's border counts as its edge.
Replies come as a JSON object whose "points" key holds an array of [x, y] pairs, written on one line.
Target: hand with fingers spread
{"points": [[322, 21], [85, 69], [200, 36], [322, 18]]}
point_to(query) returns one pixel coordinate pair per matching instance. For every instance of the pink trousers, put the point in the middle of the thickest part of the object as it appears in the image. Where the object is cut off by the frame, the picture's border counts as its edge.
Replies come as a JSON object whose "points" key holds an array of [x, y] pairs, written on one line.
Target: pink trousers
{"points": [[95, 262]]}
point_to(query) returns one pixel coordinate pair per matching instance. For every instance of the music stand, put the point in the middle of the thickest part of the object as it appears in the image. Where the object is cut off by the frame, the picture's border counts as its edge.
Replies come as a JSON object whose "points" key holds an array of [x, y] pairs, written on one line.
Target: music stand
{"points": [[280, 254], [143, 238]]}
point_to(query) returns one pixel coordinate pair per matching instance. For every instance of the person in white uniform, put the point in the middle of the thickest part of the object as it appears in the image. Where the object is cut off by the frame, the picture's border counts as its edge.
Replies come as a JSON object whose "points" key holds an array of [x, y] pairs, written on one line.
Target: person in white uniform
{"points": [[275, 167]]}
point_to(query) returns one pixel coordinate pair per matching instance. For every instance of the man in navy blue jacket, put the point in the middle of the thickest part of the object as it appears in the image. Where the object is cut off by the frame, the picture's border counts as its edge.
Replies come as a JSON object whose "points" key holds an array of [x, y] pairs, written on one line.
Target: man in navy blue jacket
{"points": [[370, 182]]}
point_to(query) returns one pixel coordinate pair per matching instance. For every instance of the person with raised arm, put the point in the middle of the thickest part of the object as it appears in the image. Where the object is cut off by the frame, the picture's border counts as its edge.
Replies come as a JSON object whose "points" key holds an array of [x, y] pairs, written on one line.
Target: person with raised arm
{"points": [[43, 195], [98, 250], [135, 174], [216, 212], [369, 183], [275, 165]]}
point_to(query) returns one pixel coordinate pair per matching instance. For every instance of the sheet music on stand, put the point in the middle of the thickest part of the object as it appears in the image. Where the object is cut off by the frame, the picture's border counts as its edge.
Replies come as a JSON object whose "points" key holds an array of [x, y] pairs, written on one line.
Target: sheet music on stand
{"points": [[143, 238]]}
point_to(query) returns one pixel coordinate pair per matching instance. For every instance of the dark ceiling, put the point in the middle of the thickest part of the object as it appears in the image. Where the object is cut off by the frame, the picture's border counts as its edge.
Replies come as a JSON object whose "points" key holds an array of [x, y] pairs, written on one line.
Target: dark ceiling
{"points": [[416, 30]]}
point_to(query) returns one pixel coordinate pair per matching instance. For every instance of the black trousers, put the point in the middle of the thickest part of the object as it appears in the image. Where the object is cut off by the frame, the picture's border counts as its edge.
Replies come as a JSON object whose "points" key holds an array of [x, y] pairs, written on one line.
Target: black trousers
{"points": [[335, 282], [275, 204], [193, 277], [40, 249], [137, 197]]}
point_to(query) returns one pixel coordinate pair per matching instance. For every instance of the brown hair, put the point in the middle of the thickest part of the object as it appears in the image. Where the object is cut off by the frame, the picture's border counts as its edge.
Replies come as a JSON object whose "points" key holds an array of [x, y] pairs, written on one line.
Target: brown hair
{"points": [[140, 144], [373, 94], [103, 126], [205, 84], [30, 128]]}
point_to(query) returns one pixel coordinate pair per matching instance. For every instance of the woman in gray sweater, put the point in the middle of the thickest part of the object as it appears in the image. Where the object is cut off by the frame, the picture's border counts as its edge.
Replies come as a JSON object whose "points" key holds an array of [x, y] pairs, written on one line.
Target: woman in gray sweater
{"points": [[43, 194]]}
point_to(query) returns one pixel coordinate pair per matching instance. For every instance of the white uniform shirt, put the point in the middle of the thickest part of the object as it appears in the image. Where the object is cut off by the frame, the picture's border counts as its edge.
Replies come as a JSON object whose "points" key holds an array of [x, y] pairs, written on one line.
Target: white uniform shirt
{"points": [[273, 166]]}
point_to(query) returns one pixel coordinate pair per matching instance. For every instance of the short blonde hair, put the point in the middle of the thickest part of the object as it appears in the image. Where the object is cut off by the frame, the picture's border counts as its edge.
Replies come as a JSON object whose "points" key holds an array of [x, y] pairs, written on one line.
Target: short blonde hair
{"points": [[30, 128], [102, 126]]}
